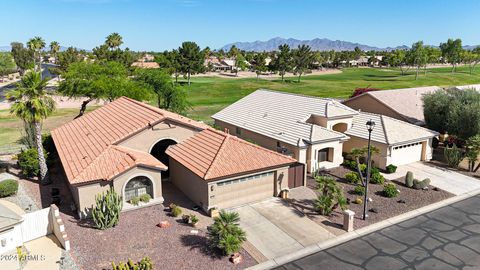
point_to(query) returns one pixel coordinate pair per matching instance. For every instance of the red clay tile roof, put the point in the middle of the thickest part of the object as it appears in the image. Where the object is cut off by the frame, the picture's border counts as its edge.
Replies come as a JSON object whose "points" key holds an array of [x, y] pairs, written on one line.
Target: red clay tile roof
{"points": [[213, 154], [81, 141]]}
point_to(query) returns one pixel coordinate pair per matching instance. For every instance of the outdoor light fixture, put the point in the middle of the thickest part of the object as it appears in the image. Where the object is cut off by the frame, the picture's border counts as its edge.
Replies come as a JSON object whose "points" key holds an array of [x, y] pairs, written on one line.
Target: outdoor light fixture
{"points": [[370, 125]]}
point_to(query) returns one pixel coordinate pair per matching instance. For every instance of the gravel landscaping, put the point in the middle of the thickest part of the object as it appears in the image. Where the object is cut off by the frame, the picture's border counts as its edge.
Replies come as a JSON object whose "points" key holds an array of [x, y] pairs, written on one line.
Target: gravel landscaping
{"points": [[408, 199]]}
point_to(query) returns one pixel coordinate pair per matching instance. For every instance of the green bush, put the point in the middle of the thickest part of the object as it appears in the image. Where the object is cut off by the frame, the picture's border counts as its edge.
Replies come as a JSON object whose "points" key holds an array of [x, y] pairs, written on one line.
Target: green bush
{"points": [[390, 190], [352, 177], [453, 156], [409, 179], [8, 188], [145, 264], [374, 170], [145, 198], [28, 162], [225, 233], [359, 190], [391, 168], [377, 178], [106, 212], [176, 211], [417, 184], [350, 164], [194, 219], [134, 201]]}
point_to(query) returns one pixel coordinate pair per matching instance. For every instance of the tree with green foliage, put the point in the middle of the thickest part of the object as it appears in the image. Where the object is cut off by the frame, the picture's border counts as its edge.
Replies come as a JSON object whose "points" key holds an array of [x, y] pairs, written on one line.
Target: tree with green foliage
{"points": [[418, 55], [473, 150], [23, 57], [169, 96], [225, 233], [357, 154], [449, 110], [398, 58], [240, 63], [302, 60], [54, 49], [432, 55], [259, 64], [65, 59], [471, 58], [7, 64], [282, 63], [113, 41], [100, 80], [32, 104], [452, 52], [191, 59], [170, 62], [233, 52], [106, 212], [36, 44], [330, 195]]}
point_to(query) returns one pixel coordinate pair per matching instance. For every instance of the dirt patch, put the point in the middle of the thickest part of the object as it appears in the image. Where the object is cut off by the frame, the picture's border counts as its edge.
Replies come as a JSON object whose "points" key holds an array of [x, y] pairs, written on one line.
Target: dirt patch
{"points": [[407, 200]]}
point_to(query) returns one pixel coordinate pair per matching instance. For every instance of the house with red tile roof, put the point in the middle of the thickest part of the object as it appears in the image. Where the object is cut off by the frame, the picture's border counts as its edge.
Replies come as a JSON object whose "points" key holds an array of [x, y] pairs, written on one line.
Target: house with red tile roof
{"points": [[133, 148]]}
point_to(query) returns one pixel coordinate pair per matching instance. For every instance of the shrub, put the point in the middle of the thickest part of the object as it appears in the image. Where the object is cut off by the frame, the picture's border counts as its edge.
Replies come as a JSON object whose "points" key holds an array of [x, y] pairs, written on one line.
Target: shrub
{"points": [[359, 190], [176, 211], [186, 218], [374, 170], [145, 198], [390, 190], [194, 219], [453, 156], [377, 178], [145, 264], [171, 206], [106, 212], [135, 201], [8, 187], [409, 179], [417, 184], [28, 162], [391, 168], [352, 177], [225, 233], [352, 164], [358, 201], [363, 167], [331, 195]]}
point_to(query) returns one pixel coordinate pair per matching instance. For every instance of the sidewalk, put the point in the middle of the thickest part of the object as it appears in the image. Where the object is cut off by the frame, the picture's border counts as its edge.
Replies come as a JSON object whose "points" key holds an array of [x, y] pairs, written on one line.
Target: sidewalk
{"points": [[360, 232]]}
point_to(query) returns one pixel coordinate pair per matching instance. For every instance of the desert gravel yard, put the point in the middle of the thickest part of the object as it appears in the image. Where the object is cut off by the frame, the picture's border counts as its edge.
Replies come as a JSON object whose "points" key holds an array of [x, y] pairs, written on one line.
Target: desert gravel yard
{"points": [[137, 236]]}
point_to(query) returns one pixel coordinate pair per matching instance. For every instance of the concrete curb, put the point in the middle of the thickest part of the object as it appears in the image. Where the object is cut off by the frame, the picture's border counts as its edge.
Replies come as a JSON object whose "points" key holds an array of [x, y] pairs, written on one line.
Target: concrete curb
{"points": [[275, 262]]}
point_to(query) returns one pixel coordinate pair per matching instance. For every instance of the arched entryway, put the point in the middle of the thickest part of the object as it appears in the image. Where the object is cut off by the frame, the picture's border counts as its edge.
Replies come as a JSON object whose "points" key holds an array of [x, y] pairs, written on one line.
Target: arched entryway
{"points": [[137, 186], [158, 151], [340, 127]]}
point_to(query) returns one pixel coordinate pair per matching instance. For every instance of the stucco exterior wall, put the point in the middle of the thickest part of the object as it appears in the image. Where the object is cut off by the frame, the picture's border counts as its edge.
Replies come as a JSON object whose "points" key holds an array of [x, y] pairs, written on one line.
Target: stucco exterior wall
{"points": [[329, 123], [155, 176], [189, 183], [146, 139], [380, 160], [13, 238], [86, 196], [335, 156], [367, 103]]}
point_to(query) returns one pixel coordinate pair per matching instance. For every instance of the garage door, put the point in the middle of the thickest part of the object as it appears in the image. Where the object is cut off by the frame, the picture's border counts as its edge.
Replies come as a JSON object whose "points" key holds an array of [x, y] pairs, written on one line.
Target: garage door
{"points": [[408, 153], [244, 190]]}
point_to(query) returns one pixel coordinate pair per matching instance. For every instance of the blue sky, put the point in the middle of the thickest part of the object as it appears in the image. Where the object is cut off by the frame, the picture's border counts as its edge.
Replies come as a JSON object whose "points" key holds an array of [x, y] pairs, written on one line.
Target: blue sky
{"points": [[164, 24]]}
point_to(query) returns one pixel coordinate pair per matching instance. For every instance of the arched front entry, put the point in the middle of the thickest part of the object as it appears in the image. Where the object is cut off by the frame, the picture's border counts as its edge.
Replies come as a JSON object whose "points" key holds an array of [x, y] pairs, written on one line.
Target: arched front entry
{"points": [[137, 186], [158, 151], [340, 127]]}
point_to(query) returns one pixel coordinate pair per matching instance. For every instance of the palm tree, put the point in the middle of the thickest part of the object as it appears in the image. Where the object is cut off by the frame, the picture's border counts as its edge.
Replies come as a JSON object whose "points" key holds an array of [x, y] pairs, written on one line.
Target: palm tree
{"points": [[225, 233], [32, 104], [54, 49], [114, 40], [36, 44]]}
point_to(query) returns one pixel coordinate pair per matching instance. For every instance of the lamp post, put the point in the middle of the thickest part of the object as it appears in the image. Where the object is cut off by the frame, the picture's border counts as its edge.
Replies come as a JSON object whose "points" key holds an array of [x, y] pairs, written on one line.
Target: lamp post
{"points": [[370, 125]]}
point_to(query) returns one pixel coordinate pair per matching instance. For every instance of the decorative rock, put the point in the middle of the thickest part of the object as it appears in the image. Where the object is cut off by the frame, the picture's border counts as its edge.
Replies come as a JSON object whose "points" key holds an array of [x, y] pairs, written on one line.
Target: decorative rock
{"points": [[436, 189], [370, 200], [194, 231], [373, 210], [236, 258], [348, 200], [401, 201], [164, 224]]}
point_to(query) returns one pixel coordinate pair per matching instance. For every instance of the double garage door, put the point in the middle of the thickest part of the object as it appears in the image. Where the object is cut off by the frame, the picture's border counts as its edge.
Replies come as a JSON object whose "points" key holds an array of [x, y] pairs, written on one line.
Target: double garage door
{"points": [[405, 154]]}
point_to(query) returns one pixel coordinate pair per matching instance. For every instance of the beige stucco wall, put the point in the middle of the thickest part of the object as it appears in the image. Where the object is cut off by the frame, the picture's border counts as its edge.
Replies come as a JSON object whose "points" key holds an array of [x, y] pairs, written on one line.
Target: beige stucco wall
{"points": [[380, 160], [366, 103], [189, 183], [335, 156], [86, 193], [329, 123], [145, 140]]}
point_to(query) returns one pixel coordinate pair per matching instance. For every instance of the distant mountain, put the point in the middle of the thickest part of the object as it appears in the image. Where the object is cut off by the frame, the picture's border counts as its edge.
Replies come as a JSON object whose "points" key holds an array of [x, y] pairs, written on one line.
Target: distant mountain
{"points": [[318, 44]]}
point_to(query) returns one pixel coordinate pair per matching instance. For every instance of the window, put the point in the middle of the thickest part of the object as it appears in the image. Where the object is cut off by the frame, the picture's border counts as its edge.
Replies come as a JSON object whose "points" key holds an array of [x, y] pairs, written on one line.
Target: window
{"points": [[323, 154], [138, 186], [238, 130], [244, 179]]}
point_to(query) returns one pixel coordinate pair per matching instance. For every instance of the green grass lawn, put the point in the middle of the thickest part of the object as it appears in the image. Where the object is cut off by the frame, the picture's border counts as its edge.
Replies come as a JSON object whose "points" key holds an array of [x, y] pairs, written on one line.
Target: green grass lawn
{"points": [[209, 95]]}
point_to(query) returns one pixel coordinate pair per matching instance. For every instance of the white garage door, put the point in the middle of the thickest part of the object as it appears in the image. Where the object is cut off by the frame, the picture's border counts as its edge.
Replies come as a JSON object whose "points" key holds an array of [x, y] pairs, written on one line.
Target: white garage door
{"points": [[408, 153]]}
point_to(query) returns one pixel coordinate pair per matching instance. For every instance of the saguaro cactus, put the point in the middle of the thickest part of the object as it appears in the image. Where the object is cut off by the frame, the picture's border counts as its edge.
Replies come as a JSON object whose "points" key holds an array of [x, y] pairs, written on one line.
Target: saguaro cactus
{"points": [[107, 209]]}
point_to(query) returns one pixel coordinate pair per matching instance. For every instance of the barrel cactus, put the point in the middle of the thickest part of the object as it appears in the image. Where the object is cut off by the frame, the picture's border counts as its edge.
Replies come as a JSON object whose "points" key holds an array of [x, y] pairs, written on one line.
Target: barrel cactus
{"points": [[107, 209], [409, 179]]}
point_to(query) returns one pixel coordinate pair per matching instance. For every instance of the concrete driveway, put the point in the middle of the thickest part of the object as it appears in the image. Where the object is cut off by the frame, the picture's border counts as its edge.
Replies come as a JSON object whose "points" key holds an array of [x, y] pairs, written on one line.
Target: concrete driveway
{"points": [[276, 229], [442, 178]]}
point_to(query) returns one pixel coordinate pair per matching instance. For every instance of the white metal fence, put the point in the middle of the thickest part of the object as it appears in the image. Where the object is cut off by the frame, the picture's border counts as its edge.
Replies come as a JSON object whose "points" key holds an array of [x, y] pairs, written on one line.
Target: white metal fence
{"points": [[36, 224]]}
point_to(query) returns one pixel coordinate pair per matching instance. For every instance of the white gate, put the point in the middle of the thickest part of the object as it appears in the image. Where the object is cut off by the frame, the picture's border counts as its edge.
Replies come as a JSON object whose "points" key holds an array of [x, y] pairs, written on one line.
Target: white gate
{"points": [[36, 224]]}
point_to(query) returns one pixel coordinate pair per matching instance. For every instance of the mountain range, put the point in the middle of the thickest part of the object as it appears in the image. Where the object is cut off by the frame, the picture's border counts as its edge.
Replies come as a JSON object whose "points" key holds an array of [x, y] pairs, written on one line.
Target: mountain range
{"points": [[317, 44]]}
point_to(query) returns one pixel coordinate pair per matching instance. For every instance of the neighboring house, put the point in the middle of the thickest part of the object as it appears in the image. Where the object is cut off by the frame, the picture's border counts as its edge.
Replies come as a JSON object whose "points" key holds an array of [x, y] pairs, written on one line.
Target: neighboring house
{"points": [[141, 64], [123, 146], [316, 131], [214, 64], [402, 104], [10, 229]]}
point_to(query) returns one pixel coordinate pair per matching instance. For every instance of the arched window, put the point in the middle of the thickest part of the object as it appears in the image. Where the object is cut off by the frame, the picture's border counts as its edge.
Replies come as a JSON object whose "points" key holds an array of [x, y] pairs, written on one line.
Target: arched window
{"points": [[340, 127], [138, 186]]}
